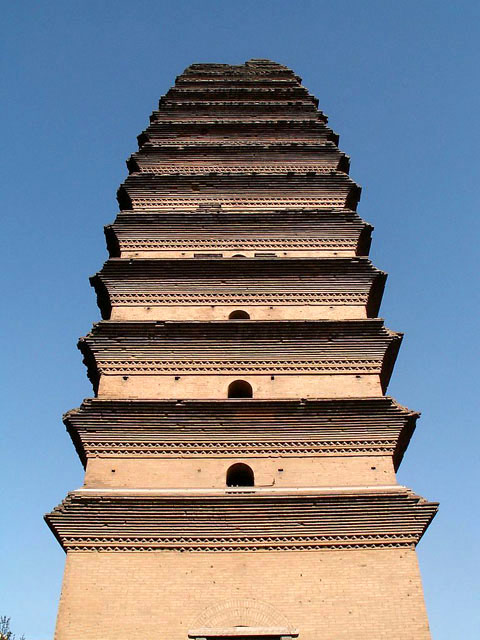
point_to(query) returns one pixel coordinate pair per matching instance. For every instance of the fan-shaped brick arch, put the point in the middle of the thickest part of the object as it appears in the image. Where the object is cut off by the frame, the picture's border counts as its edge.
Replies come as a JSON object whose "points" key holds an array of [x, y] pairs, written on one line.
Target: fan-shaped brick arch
{"points": [[241, 612]]}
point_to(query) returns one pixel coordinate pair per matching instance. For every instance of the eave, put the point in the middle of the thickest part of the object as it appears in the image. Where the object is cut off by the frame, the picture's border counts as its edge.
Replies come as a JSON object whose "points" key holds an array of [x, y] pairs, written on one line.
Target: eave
{"points": [[334, 228], [311, 427], [206, 348], [148, 191], [245, 520], [320, 280]]}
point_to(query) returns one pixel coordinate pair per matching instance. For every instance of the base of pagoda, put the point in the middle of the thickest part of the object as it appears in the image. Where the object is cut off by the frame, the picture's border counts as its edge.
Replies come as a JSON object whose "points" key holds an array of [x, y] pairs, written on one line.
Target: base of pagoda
{"points": [[341, 594]]}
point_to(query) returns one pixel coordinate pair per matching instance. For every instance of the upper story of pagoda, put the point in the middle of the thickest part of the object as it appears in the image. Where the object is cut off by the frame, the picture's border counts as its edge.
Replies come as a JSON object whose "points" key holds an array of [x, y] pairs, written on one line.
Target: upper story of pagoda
{"points": [[239, 206], [240, 137], [214, 232], [238, 160]]}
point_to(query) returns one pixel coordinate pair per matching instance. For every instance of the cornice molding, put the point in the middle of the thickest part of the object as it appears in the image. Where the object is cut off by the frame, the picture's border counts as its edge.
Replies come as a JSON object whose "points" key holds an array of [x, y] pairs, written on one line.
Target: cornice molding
{"points": [[305, 522], [198, 428]]}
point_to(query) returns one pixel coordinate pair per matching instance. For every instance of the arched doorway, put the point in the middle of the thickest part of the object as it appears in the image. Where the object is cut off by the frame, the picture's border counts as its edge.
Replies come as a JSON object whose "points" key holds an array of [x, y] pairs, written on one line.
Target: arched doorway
{"points": [[239, 315], [240, 389], [240, 475]]}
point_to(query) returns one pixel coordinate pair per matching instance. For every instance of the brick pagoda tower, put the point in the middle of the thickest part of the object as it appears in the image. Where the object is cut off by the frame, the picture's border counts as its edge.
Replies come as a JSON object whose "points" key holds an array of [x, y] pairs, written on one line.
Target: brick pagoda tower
{"points": [[240, 452]]}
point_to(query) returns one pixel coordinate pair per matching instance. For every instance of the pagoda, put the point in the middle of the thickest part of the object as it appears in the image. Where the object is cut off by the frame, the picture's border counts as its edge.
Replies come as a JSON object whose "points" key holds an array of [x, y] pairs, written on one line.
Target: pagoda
{"points": [[240, 451]]}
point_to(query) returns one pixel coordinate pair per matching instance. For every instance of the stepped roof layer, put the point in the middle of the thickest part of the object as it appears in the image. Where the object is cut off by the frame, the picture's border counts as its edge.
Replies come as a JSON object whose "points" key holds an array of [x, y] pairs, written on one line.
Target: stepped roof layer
{"points": [[166, 428], [257, 68], [304, 131], [324, 281], [188, 81], [230, 111], [239, 158], [233, 520], [147, 192], [215, 229], [353, 346], [227, 93], [211, 130], [271, 159]]}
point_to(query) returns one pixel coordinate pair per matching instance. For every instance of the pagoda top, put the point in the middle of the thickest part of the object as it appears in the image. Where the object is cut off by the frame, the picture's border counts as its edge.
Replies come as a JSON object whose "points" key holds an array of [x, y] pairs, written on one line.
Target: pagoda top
{"points": [[252, 64], [252, 67]]}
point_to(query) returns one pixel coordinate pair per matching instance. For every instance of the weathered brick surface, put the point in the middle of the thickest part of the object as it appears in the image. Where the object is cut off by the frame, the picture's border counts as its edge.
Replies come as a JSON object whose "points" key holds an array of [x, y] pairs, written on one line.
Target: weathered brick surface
{"points": [[269, 472], [238, 163], [336, 595]]}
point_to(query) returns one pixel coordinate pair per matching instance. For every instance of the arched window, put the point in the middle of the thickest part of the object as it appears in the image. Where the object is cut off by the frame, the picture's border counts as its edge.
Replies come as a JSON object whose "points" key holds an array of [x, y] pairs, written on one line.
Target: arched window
{"points": [[240, 475], [240, 389], [239, 315], [239, 255]]}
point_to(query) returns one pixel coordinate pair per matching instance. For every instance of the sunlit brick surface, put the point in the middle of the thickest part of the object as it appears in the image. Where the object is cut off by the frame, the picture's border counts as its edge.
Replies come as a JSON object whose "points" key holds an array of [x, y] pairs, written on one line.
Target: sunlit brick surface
{"points": [[240, 452]]}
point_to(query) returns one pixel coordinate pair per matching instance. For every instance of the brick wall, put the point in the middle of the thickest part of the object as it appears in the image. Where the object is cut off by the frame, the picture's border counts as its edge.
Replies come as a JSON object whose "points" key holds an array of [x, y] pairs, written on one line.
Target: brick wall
{"points": [[211, 472], [334, 595]]}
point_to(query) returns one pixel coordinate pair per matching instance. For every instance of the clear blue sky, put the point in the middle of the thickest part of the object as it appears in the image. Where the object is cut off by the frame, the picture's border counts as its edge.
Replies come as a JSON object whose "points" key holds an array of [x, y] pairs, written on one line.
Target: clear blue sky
{"points": [[399, 81]]}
